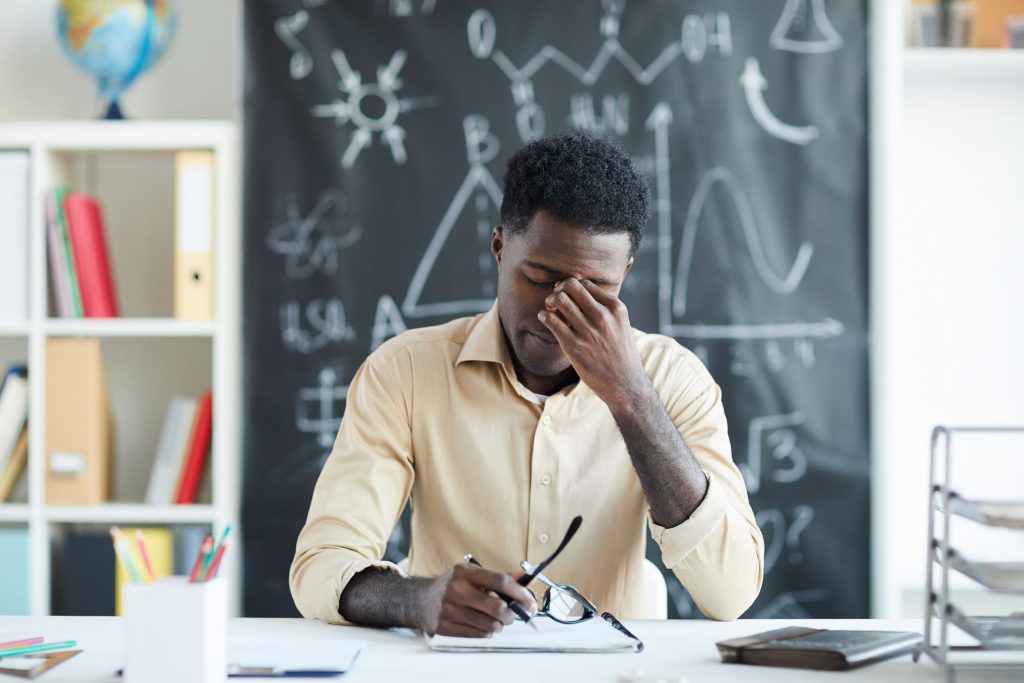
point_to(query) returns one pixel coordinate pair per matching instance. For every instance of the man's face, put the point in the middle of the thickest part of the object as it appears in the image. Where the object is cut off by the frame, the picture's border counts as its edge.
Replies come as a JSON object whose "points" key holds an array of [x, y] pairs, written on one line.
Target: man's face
{"points": [[530, 264]]}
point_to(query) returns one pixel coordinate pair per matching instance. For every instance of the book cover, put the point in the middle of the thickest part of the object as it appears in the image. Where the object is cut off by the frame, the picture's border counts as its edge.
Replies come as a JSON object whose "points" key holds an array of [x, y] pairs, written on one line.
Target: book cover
{"points": [[198, 451], [14, 571], [171, 451], [810, 648], [60, 287], [12, 471], [193, 235], [84, 574], [70, 270], [79, 432], [13, 410], [92, 259], [14, 231]]}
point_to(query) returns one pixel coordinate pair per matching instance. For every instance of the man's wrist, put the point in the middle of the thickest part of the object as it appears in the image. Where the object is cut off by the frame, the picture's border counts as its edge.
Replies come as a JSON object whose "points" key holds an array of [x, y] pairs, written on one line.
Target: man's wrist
{"points": [[631, 398]]}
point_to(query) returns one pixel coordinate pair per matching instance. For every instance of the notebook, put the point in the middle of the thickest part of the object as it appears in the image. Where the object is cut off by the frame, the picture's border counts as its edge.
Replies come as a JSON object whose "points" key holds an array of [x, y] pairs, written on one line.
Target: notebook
{"points": [[30, 666], [811, 648], [593, 635]]}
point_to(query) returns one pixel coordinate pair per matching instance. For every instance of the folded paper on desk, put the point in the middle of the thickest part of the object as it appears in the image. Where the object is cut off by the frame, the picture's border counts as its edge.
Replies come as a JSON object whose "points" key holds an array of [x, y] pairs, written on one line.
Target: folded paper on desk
{"points": [[812, 648], [311, 657], [593, 635]]}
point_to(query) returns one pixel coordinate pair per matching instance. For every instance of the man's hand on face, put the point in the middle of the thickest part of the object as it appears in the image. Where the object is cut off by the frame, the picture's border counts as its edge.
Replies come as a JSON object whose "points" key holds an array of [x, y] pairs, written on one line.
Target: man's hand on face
{"points": [[592, 327], [461, 602]]}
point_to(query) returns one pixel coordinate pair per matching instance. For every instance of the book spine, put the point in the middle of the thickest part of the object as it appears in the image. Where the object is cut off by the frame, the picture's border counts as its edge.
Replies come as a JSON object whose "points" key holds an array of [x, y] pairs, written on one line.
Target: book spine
{"points": [[70, 271], [95, 277], [58, 268], [199, 449]]}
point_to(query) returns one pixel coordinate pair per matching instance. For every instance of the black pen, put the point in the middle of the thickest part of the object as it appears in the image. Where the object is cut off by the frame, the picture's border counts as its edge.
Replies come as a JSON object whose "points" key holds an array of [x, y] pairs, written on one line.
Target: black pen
{"points": [[519, 610]]}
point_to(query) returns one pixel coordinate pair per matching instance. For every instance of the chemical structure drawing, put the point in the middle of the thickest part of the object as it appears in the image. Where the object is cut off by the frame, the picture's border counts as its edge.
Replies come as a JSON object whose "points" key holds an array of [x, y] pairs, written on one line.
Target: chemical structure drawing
{"points": [[311, 244], [698, 34], [804, 27], [480, 187], [371, 107], [287, 29], [318, 409], [754, 84]]}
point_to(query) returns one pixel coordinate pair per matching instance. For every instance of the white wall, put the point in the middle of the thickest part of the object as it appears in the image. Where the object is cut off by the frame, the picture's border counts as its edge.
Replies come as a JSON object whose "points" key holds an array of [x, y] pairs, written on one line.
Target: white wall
{"points": [[194, 79], [949, 305]]}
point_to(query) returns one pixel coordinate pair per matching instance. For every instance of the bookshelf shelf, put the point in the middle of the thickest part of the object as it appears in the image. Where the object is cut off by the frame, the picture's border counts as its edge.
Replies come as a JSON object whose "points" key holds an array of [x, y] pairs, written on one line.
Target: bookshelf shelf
{"points": [[959, 65], [131, 513], [129, 327], [14, 512], [149, 355], [15, 329]]}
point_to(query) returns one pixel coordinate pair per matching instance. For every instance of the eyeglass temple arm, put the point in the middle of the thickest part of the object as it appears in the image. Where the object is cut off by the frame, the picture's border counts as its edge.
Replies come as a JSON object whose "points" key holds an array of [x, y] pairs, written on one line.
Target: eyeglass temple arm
{"points": [[574, 526]]}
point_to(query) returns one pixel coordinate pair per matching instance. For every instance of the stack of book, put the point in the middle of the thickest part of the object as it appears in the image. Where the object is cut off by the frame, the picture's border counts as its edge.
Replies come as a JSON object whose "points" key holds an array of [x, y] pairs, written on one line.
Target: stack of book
{"points": [[80, 268], [13, 428], [182, 452]]}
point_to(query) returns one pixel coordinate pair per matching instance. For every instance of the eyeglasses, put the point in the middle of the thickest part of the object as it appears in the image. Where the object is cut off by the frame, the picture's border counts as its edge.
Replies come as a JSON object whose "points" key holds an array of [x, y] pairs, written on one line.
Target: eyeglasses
{"points": [[561, 602]]}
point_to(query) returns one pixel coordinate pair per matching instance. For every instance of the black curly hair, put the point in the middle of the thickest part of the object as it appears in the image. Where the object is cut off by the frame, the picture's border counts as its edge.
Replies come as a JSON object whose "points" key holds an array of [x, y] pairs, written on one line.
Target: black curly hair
{"points": [[579, 178]]}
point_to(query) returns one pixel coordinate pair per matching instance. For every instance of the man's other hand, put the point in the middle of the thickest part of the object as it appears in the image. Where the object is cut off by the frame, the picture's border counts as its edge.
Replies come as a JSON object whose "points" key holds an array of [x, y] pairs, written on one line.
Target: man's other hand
{"points": [[464, 602]]}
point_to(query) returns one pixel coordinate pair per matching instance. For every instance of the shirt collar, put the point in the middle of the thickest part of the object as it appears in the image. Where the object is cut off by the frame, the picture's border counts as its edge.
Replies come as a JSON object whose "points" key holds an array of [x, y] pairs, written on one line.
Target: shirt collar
{"points": [[486, 342]]}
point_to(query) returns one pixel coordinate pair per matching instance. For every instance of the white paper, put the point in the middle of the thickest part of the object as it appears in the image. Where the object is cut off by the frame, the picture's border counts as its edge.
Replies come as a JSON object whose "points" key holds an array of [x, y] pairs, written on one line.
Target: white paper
{"points": [[593, 635], [308, 654]]}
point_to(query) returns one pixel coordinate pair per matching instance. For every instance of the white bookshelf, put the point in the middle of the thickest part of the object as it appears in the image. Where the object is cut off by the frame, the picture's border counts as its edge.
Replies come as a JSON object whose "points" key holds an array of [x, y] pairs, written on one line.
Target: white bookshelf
{"points": [[63, 151]]}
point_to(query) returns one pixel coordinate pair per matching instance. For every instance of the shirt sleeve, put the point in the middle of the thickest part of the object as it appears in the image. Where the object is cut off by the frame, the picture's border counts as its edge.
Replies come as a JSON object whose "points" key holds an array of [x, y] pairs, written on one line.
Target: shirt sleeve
{"points": [[718, 552], [358, 497]]}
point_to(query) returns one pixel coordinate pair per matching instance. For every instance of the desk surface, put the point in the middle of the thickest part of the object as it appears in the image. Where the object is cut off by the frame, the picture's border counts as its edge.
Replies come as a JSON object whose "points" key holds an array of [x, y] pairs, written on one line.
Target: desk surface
{"points": [[676, 647]]}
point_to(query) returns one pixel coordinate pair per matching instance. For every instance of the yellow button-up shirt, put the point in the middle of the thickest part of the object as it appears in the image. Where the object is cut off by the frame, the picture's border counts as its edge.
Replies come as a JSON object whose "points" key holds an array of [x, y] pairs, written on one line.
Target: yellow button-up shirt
{"points": [[438, 414]]}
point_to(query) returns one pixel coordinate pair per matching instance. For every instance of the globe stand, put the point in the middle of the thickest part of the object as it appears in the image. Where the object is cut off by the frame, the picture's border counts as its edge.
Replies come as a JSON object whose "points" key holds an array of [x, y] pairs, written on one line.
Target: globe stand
{"points": [[114, 112]]}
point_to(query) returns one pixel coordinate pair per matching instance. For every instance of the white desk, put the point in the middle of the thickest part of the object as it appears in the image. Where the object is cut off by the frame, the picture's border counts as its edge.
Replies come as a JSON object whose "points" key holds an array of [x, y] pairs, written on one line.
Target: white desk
{"points": [[684, 648]]}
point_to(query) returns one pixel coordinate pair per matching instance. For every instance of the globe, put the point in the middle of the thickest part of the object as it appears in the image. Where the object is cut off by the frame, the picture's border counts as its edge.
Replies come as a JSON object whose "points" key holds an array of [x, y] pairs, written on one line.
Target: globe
{"points": [[115, 41]]}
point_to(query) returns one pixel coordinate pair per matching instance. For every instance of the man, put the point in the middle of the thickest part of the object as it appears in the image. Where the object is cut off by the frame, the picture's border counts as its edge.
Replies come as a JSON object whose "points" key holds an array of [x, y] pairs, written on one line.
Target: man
{"points": [[504, 426]]}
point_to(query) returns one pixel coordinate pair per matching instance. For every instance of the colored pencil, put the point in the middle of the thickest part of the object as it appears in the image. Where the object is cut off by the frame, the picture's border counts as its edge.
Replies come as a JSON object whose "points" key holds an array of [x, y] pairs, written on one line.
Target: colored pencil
{"points": [[124, 554], [42, 647], [140, 540], [204, 550], [215, 565], [21, 643]]}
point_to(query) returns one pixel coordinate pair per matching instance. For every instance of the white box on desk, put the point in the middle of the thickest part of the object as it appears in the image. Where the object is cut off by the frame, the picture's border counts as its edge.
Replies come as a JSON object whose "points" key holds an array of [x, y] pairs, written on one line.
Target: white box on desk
{"points": [[176, 631]]}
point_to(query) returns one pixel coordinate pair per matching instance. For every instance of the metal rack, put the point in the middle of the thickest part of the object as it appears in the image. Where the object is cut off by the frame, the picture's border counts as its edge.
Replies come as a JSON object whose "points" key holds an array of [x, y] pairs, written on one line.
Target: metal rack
{"points": [[1003, 633]]}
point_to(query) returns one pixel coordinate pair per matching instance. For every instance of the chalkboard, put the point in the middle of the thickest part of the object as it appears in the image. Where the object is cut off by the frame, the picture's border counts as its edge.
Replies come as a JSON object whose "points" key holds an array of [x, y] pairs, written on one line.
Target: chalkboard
{"points": [[376, 135]]}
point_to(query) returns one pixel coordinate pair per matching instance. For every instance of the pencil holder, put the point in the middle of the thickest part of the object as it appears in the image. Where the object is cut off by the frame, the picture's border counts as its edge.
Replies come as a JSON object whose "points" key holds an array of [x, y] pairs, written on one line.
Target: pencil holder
{"points": [[176, 631]]}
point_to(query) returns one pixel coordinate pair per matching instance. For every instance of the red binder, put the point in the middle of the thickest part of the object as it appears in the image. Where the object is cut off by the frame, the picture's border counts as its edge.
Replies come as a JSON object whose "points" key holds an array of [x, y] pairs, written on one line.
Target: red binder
{"points": [[92, 260], [198, 450]]}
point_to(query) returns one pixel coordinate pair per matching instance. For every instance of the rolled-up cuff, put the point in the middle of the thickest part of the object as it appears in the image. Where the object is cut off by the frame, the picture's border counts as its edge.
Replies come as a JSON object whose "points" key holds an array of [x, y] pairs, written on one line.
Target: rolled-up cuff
{"points": [[679, 541]]}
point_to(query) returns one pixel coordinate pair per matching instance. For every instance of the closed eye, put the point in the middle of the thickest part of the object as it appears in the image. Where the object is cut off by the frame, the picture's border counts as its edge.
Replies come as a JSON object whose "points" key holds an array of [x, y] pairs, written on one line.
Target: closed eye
{"points": [[537, 283]]}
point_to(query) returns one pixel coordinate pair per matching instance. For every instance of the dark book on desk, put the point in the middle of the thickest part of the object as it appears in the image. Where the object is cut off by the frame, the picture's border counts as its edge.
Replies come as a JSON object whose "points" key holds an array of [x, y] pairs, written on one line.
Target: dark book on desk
{"points": [[812, 648]]}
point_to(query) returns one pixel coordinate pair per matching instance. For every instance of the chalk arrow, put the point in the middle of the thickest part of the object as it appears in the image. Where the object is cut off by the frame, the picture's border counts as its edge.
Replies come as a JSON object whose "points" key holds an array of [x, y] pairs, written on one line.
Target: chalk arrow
{"points": [[350, 78], [661, 117], [387, 77], [360, 139], [754, 84], [394, 137]]}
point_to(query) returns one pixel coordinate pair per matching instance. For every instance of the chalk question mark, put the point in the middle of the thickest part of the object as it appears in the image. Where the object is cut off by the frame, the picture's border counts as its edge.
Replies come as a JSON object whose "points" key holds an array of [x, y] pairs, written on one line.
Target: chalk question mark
{"points": [[804, 515]]}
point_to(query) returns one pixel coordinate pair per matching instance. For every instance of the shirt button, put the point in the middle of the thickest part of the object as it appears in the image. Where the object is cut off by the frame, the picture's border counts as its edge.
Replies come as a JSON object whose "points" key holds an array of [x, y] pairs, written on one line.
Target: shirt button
{"points": [[546, 420], [546, 479], [543, 538]]}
